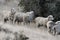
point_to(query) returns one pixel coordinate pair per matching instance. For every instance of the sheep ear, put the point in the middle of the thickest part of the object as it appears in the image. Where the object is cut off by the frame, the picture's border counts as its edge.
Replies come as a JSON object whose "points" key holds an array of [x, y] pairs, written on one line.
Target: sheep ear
{"points": [[49, 17]]}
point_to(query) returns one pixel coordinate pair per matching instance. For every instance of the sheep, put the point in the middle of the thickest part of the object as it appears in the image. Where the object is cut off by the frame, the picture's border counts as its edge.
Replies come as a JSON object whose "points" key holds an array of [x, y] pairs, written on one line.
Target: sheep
{"points": [[24, 17], [53, 28], [28, 18], [58, 22], [56, 29], [10, 16], [18, 17], [50, 24], [43, 21]]}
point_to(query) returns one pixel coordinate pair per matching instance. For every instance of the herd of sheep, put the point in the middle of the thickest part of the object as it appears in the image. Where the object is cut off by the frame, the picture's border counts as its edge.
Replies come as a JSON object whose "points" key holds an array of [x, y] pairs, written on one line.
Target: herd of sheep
{"points": [[28, 17]]}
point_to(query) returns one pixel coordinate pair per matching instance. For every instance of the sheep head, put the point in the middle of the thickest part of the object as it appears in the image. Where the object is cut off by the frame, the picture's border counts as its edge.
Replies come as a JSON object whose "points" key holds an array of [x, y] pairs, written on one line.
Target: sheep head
{"points": [[13, 10], [58, 22], [50, 18]]}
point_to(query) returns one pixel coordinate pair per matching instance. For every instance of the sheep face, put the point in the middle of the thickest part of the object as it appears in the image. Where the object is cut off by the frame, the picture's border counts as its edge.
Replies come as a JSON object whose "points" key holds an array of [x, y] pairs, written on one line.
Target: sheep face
{"points": [[50, 17], [50, 24], [58, 22], [31, 11], [31, 16], [13, 11]]}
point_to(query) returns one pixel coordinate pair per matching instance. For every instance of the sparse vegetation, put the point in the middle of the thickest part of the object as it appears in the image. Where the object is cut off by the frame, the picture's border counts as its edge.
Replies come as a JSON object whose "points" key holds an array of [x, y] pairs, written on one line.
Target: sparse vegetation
{"points": [[19, 35], [22, 25]]}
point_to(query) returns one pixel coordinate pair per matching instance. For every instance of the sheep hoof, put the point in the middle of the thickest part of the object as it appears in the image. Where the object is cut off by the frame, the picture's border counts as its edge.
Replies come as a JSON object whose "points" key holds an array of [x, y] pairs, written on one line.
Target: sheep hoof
{"points": [[59, 33], [39, 25], [54, 33], [45, 26]]}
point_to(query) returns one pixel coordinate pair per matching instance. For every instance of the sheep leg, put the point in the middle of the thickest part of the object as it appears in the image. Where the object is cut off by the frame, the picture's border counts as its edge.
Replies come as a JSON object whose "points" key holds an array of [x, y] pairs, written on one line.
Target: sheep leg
{"points": [[45, 26], [14, 19], [19, 22], [24, 22], [36, 24], [30, 23], [49, 30], [54, 32]]}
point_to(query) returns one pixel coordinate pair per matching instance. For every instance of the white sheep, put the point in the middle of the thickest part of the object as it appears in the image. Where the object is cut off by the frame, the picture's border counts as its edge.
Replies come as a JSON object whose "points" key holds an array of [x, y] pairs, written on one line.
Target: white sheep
{"points": [[56, 29], [24, 17], [18, 17], [58, 22], [29, 16], [10, 15], [50, 24], [43, 21]]}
